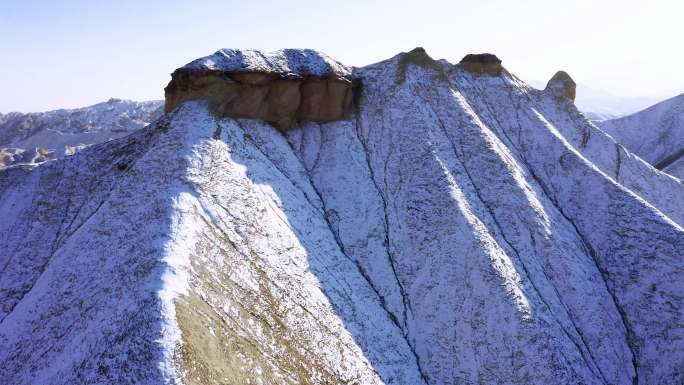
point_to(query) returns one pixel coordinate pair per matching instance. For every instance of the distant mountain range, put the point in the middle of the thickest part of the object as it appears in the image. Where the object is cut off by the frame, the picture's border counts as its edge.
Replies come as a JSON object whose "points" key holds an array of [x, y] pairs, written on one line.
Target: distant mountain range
{"points": [[30, 138]]}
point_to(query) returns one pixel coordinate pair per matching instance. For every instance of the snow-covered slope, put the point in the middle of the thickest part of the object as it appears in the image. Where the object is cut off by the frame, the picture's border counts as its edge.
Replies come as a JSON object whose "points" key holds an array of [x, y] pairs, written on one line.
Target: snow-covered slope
{"points": [[656, 134], [459, 228], [35, 137]]}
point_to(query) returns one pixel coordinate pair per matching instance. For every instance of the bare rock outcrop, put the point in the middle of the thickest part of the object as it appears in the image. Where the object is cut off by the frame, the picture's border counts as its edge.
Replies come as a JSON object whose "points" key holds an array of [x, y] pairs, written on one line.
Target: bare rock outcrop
{"points": [[417, 57], [280, 87], [562, 86], [482, 64]]}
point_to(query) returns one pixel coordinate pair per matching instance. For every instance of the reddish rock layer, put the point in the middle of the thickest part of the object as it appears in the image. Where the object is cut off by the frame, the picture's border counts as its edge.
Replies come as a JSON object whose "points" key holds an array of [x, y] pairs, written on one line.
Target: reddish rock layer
{"points": [[272, 97]]}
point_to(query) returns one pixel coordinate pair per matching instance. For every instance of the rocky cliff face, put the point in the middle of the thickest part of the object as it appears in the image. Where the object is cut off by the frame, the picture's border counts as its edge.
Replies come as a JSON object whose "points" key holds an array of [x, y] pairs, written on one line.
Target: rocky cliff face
{"points": [[280, 88], [457, 227], [482, 64]]}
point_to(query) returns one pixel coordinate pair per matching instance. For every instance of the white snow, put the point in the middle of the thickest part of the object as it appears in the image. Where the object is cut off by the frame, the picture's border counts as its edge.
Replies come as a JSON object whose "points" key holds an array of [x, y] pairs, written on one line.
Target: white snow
{"points": [[655, 134], [457, 229], [286, 62], [64, 132]]}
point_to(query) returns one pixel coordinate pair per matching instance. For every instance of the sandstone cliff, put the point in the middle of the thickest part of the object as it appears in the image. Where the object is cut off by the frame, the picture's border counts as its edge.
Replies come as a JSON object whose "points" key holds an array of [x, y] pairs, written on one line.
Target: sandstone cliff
{"points": [[280, 87], [482, 64]]}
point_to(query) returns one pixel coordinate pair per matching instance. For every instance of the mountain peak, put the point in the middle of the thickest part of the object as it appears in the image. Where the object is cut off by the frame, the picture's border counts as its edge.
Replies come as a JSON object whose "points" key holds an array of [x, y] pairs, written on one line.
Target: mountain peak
{"points": [[417, 56], [562, 86], [279, 87], [482, 63]]}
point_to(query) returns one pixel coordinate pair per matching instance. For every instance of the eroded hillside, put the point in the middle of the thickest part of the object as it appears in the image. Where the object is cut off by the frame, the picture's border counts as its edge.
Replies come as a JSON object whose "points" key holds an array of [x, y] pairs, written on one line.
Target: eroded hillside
{"points": [[453, 226]]}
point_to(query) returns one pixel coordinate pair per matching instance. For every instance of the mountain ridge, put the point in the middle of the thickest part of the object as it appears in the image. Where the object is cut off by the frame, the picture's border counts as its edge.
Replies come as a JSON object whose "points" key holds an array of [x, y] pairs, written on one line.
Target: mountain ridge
{"points": [[458, 227], [654, 134]]}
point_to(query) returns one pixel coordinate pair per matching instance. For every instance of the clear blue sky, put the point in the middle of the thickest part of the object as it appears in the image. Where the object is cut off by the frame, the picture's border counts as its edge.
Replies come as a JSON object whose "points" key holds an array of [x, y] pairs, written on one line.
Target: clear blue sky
{"points": [[74, 53]]}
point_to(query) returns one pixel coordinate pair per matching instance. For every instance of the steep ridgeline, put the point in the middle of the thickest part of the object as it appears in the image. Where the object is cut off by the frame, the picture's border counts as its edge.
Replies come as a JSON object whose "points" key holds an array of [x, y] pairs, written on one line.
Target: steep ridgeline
{"points": [[454, 226], [39, 136], [656, 134]]}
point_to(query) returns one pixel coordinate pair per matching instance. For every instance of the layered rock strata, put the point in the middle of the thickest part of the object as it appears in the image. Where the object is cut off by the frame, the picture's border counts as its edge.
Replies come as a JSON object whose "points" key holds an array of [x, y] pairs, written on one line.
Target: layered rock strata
{"points": [[281, 88]]}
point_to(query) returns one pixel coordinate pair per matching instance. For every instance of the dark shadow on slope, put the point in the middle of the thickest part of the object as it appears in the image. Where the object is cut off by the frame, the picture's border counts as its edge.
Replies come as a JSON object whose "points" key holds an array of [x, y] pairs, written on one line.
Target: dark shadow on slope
{"points": [[352, 296], [668, 160]]}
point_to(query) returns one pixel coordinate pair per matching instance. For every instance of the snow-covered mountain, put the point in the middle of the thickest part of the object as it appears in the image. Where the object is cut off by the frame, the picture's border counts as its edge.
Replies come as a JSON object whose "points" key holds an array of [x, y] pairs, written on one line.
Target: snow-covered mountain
{"points": [[35, 137], [656, 134], [292, 220]]}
